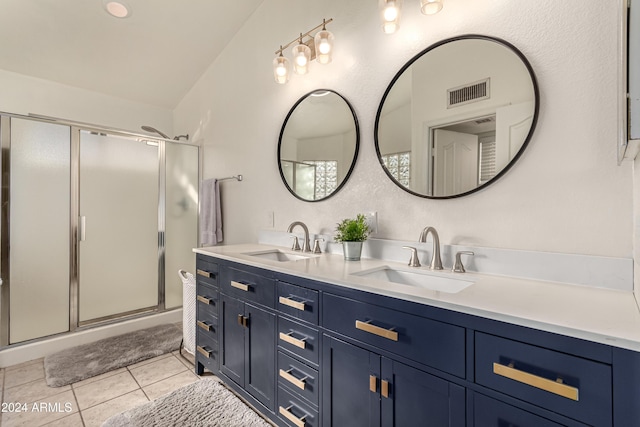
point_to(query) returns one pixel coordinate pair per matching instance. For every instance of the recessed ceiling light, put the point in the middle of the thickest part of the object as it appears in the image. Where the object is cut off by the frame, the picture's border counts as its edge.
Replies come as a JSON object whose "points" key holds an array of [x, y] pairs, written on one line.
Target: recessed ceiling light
{"points": [[116, 8]]}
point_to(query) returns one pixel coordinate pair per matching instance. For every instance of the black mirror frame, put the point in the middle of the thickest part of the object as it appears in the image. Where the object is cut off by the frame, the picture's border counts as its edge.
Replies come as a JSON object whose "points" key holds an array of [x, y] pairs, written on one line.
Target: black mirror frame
{"points": [[534, 122], [355, 153]]}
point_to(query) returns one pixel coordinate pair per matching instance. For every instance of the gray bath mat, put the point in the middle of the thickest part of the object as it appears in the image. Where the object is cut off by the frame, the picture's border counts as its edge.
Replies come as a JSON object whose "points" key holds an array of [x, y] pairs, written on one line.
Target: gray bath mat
{"points": [[88, 360], [204, 403]]}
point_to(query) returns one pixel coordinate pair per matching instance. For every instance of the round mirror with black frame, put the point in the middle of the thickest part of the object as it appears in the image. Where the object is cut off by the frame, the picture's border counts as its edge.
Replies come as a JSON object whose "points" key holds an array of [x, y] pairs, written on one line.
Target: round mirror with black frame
{"points": [[456, 117], [318, 145]]}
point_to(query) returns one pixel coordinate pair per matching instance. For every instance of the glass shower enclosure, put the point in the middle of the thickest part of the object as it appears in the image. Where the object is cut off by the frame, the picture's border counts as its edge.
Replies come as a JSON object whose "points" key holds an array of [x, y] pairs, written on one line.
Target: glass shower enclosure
{"points": [[95, 225]]}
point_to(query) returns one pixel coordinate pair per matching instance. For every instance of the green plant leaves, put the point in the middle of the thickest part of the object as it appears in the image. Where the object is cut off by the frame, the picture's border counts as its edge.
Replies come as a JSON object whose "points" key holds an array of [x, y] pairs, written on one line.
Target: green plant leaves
{"points": [[352, 230]]}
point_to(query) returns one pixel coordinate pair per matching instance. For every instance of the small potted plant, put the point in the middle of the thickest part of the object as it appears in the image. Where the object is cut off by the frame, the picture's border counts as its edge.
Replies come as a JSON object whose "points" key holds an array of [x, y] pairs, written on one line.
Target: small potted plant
{"points": [[351, 233]]}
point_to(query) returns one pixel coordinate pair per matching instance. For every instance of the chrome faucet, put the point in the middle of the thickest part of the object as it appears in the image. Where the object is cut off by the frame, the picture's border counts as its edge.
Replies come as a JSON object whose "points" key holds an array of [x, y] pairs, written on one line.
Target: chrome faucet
{"points": [[436, 261], [305, 247]]}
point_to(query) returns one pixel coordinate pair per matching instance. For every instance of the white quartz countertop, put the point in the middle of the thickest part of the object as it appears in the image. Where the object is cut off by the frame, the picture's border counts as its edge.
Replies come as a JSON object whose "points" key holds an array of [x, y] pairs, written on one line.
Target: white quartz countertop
{"points": [[600, 315]]}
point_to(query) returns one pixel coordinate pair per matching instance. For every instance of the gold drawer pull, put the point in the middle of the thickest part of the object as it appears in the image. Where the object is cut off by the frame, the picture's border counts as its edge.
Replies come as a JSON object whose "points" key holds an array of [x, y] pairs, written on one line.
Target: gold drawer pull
{"points": [[243, 320], [299, 422], [384, 388], [373, 383], [203, 273], [291, 340], [293, 380], [241, 286], [555, 387], [389, 334], [204, 352], [291, 303], [203, 325], [204, 299]]}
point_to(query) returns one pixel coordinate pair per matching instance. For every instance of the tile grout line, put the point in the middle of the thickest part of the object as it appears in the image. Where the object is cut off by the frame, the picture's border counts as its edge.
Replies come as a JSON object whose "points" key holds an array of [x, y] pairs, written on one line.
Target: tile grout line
{"points": [[139, 386], [156, 382], [73, 390]]}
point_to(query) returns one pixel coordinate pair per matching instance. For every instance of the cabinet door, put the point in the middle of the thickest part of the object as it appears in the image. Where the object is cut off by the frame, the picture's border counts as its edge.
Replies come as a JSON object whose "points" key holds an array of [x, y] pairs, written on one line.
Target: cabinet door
{"points": [[489, 412], [260, 367], [411, 397], [348, 398], [232, 342]]}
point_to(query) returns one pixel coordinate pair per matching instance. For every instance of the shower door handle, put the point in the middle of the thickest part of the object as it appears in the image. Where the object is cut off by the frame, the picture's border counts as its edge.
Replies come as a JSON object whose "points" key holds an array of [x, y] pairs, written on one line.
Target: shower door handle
{"points": [[82, 228]]}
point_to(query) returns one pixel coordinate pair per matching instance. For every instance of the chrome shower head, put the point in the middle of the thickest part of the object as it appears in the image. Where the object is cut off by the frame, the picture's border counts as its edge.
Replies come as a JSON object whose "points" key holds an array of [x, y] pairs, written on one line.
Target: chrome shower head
{"points": [[154, 130]]}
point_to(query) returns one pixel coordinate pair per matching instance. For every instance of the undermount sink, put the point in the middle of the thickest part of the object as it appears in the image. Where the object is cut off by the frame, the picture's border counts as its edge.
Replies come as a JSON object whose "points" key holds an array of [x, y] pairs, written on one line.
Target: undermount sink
{"points": [[278, 255], [417, 278]]}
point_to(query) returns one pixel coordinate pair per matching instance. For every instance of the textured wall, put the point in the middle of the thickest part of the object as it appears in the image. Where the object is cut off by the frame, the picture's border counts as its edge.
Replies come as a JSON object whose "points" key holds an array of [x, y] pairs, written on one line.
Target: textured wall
{"points": [[566, 193]]}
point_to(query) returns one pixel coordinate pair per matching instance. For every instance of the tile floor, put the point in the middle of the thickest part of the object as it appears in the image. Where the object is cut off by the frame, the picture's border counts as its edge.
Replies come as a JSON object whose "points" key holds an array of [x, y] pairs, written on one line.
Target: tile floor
{"points": [[90, 402]]}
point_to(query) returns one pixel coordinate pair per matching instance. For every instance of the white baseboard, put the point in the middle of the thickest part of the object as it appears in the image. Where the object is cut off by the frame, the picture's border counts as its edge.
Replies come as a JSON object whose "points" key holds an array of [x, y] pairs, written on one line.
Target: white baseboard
{"points": [[14, 355]]}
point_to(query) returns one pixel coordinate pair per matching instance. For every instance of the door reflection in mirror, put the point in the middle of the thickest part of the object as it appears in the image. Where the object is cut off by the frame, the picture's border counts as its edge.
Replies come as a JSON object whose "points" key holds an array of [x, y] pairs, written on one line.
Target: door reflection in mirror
{"points": [[464, 109]]}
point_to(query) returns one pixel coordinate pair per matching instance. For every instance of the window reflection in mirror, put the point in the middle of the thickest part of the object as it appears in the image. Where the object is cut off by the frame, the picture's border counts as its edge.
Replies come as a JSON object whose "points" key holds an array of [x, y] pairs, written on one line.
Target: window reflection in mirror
{"points": [[456, 117], [318, 145]]}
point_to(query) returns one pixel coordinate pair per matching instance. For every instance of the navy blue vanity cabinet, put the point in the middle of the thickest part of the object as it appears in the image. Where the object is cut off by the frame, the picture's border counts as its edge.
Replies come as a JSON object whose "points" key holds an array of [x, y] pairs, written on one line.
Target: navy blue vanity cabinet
{"points": [[207, 301], [370, 385], [572, 386], [298, 355], [426, 341], [363, 389], [248, 333], [308, 353]]}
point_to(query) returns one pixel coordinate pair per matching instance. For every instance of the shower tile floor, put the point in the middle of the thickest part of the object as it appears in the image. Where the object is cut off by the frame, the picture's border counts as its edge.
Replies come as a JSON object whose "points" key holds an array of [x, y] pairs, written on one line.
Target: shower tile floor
{"points": [[90, 402]]}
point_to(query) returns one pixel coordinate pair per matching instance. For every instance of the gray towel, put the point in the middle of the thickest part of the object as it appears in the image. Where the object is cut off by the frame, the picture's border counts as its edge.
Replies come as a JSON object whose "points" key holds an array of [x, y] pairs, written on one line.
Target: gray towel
{"points": [[210, 213]]}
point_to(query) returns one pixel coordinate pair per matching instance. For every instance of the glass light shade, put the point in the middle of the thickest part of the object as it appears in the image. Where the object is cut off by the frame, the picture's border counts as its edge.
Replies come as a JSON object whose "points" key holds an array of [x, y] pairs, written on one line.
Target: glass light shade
{"points": [[324, 46], [430, 7], [301, 58], [281, 69], [390, 15]]}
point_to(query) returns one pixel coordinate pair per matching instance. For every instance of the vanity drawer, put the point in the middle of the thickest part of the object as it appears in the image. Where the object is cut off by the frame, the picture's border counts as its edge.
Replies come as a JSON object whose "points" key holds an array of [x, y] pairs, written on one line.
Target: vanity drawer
{"points": [[298, 302], [207, 299], [426, 341], [207, 352], [299, 339], [298, 377], [490, 412], [206, 270], [572, 386], [294, 412], [207, 325], [248, 286]]}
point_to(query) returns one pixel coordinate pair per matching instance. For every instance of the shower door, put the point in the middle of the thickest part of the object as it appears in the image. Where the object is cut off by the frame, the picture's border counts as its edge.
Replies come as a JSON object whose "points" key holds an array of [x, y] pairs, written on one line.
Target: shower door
{"points": [[117, 226], [94, 226]]}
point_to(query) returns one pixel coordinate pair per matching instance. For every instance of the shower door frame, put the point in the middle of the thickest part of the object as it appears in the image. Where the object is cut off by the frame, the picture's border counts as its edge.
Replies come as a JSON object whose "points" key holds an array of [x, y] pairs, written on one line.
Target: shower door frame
{"points": [[74, 210], [75, 280]]}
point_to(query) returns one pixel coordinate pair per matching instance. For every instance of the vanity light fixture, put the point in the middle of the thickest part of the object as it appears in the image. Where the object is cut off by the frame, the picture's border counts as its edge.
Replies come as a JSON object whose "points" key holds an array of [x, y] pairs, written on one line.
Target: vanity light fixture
{"points": [[390, 12], [281, 68], [301, 57], [390, 15], [308, 47], [324, 44]]}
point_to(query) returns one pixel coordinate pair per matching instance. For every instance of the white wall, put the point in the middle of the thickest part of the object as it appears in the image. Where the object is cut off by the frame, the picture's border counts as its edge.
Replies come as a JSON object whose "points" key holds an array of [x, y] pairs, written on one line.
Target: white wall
{"points": [[565, 194], [20, 94]]}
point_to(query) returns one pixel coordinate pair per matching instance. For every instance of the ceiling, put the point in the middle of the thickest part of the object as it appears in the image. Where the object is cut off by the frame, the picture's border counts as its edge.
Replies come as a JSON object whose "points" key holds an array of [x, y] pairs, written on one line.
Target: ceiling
{"points": [[154, 56]]}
